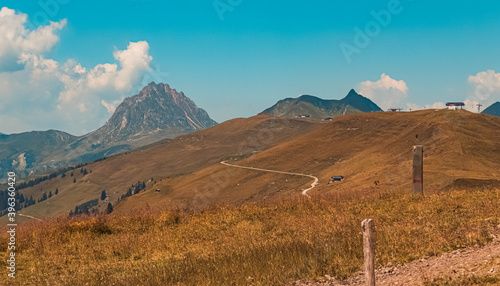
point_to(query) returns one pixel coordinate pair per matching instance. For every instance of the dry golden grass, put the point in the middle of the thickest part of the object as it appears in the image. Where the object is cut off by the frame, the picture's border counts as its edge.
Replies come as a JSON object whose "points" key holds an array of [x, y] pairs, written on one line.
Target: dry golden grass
{"points": [[267, 243], [364, 148]]}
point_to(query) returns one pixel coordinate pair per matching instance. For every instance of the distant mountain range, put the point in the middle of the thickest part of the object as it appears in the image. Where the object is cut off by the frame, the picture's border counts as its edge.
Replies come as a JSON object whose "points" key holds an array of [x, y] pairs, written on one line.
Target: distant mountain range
{"points": [[317, 108], [23, 152], [493, 109], [157, 112]]}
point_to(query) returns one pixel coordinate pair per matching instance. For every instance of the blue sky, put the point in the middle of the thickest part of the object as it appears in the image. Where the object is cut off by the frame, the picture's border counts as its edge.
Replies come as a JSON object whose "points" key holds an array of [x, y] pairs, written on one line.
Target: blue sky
{"points": [[235, 58]]}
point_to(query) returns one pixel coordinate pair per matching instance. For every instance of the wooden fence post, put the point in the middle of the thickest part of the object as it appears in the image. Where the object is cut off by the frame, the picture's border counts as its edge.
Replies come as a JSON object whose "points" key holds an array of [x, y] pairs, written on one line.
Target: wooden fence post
{"points": [[369, 267], [418, 169]]}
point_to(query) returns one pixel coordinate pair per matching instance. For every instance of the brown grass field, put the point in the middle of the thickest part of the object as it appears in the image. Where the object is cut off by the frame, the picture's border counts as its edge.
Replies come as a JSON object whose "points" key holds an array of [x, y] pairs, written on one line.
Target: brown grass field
{"points": [[461, 151], [216, 225]]}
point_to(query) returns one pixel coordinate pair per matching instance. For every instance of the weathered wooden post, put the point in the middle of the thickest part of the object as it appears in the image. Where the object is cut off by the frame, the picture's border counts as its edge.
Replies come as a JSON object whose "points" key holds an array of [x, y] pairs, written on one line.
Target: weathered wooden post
{"points": [[367, 225], [418, 169]]}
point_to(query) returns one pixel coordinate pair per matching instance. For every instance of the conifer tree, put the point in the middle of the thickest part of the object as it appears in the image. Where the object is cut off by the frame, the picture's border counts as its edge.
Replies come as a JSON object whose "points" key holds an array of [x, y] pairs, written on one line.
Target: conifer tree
{"points": [[109, 209]]}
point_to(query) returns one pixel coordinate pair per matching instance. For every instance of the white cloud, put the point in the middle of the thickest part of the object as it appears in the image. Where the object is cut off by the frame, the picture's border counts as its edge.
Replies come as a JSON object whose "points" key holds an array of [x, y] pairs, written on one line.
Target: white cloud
{"points": [[470, 105], [42, 93], [386, 92], [105, 82], [486, 86], [16, 40], [435, 105], [135, 60], [110, 107], [412, 106]]}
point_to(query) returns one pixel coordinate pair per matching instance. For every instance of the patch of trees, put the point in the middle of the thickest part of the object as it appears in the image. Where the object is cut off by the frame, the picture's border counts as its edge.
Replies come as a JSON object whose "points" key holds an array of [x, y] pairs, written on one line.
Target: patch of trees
{"points": [[83, 171], [29, 202], [21, 202], [101, 159], [109, 209], [134, 189], [45, 196], [85, 208], [62, 172]]}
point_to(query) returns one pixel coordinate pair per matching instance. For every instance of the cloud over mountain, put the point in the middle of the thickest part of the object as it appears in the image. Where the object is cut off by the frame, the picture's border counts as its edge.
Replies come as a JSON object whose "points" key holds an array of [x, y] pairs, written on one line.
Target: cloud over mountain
{"points": [[42, 93], [386, 92], [486, 86]]}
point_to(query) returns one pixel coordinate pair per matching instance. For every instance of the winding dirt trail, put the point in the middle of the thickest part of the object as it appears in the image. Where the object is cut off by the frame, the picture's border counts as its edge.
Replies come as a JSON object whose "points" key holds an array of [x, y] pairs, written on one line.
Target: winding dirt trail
{"points": [[28, 216], [304, 192]]}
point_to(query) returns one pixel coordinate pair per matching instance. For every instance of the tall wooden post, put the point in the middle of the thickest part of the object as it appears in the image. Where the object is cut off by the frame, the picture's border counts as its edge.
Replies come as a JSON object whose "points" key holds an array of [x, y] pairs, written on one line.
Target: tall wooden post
{"points": [[367, 225], [418, 169]]}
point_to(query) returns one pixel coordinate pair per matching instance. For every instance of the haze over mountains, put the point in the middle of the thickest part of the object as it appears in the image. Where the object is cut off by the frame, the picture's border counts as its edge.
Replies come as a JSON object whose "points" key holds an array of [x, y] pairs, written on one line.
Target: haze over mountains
{"points": [[317, 108], [157, 112]]}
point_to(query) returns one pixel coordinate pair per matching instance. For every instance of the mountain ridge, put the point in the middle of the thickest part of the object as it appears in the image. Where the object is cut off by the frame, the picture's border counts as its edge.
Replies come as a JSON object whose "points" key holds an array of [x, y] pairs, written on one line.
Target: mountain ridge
{"points": [[318, 108], [493, 109]]}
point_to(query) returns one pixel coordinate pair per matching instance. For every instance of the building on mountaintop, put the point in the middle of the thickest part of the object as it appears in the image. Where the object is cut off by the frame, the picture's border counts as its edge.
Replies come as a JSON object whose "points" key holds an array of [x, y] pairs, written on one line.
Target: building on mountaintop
{"points": [[454, 105]]}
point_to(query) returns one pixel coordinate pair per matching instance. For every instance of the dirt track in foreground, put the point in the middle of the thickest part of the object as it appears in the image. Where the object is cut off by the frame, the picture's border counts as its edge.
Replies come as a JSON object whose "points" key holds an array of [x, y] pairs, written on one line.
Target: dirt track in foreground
{"points": [[473, 261]]}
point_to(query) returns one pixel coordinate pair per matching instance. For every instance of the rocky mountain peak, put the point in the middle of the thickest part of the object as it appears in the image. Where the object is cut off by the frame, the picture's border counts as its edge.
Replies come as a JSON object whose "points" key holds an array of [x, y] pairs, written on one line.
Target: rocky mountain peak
{"points": [[353, 93], [157, 108]]}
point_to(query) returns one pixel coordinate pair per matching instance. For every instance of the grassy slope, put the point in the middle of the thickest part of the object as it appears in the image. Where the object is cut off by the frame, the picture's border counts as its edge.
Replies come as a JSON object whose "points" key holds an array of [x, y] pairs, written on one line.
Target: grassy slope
{"points": [[377, 147], [364, 148], [267, 243], [183, 155]]}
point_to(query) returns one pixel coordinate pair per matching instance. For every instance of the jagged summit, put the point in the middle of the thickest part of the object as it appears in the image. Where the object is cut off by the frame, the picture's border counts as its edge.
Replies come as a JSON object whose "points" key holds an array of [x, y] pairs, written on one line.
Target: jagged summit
{"points": [[360, 102], [352, 93], [157, 107]]}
